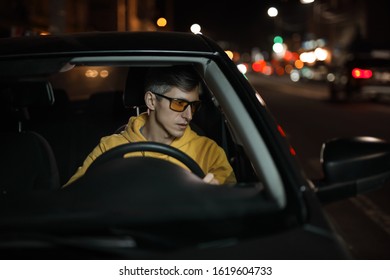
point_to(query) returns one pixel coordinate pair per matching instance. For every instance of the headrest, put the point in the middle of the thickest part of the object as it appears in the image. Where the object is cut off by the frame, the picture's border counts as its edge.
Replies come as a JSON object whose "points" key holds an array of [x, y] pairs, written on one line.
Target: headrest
{"points": [[134, 89], [29, 93]]}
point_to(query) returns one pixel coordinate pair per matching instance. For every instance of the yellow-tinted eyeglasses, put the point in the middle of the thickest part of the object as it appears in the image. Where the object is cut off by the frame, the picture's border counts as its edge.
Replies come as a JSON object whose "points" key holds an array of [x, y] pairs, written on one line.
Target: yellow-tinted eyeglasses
{"points": [[179, 105]]}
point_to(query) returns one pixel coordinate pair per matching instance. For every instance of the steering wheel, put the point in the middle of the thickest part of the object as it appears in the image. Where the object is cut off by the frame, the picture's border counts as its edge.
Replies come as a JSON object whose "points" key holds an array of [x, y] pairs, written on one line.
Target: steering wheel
{"points": [[120, 151]]}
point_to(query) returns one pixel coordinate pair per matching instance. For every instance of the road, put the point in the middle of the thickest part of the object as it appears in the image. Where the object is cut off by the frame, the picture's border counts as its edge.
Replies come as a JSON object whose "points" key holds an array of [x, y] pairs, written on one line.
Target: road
{"points": [[309, 119]]}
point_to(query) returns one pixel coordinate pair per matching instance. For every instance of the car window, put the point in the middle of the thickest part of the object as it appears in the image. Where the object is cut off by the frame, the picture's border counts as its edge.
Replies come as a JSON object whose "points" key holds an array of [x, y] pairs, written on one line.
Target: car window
{"points": [[95, 95]]}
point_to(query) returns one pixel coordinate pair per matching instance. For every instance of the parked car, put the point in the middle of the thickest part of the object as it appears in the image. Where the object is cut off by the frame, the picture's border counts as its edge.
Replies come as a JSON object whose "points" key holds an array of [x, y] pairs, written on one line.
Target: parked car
{"points": [[363, 74], [61, 94]]}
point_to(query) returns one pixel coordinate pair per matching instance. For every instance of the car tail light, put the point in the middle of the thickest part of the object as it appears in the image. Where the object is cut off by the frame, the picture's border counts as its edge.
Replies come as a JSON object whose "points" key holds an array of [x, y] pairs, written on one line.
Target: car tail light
{"points": [[358, 73]]}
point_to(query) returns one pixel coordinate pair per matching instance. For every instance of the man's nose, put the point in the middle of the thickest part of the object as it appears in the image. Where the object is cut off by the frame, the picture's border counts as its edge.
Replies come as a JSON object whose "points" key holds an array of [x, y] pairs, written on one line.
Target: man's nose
{"points": [[187, 113]]}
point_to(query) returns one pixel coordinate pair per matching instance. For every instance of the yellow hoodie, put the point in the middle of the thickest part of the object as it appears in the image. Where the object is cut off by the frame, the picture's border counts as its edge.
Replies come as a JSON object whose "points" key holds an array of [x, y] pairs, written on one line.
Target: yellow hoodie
{"points": [[210, 157]]}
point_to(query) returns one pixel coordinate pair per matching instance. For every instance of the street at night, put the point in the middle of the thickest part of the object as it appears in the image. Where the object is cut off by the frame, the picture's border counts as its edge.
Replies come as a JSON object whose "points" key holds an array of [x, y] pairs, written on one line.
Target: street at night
{"points": [[309, 119]]}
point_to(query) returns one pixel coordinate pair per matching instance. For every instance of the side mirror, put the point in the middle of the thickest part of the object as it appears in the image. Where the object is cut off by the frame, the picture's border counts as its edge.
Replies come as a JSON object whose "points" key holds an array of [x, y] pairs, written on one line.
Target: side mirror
{"points": [[353, 166]]}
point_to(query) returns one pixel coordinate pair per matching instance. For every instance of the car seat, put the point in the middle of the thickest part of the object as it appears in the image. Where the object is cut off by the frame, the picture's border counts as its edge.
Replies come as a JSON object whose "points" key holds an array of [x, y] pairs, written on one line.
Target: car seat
{"points": [[27, 161]]}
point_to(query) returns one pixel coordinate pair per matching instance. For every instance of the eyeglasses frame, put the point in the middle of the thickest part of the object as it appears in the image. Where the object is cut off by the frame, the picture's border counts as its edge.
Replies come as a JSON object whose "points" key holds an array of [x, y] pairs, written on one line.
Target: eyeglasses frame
{"points": [[189, 103]]}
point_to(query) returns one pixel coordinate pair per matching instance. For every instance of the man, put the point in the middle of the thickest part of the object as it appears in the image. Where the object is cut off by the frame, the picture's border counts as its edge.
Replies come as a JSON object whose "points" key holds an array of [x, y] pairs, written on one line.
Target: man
{"points": [[172, 98]]}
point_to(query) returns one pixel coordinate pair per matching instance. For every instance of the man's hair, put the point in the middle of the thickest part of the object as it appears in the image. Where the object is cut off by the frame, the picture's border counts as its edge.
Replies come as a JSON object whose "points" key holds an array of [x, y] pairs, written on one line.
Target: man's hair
{"points": [[162, 79]]}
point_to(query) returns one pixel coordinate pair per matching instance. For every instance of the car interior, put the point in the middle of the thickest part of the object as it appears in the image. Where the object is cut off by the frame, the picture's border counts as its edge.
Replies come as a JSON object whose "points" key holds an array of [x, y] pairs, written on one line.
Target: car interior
{"points": [[69, 127]]}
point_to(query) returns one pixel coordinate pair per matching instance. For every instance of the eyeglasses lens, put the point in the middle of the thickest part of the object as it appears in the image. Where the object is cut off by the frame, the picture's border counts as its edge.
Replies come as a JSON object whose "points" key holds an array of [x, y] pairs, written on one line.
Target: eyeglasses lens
{"points": [[180, 106]]}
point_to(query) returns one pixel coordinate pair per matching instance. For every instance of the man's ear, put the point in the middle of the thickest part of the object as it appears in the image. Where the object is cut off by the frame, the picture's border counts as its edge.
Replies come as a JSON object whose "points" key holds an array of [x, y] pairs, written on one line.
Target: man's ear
{"points": [[150, 100]]}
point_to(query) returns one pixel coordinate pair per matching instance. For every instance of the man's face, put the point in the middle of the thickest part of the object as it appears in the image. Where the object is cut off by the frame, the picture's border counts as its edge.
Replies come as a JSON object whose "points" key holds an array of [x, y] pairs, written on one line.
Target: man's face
{"points": [[175, 123]]}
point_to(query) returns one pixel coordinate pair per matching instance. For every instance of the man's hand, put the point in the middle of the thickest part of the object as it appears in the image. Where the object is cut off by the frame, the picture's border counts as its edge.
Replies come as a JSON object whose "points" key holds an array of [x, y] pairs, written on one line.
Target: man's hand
{"points": [[209, 178]]}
